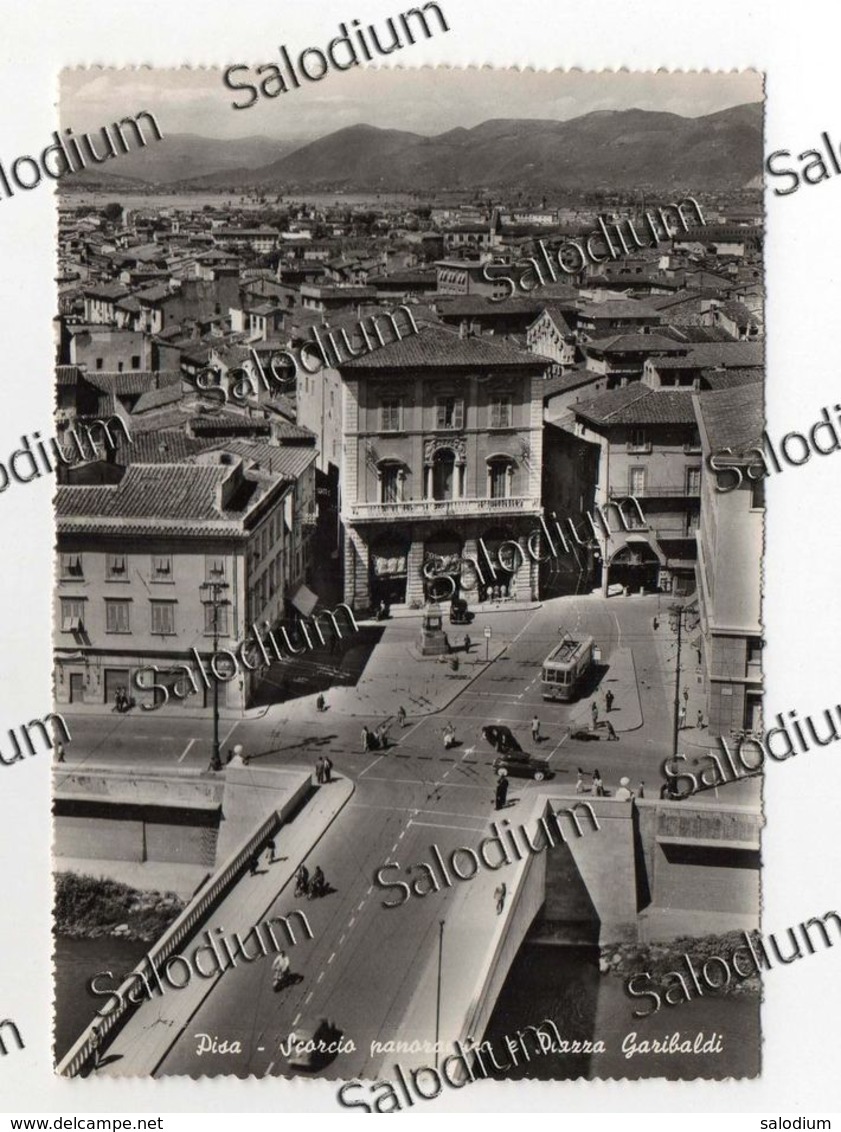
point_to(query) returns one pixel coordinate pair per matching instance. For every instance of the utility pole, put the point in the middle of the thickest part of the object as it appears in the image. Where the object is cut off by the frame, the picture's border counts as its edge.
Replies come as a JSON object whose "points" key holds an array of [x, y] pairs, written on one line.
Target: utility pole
{"points": [[215, 588], [676, 616], [438, 1001]]}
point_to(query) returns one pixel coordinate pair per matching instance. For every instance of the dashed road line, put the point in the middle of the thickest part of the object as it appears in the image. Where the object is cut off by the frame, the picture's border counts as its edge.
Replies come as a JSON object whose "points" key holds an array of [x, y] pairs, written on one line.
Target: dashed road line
{"points": [[309, 996], [186, 749], [370, 890], [297, 1019], [436, 825], [360, 905], [320, 977], [351, 921], [341, 940], [271, 1067], [371, 765], [332, 957]]}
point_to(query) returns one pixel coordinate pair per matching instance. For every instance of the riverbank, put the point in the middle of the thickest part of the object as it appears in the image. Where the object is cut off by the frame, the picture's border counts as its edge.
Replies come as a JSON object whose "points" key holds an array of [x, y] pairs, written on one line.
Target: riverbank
{"points": [[89, 907], [658, 959]]}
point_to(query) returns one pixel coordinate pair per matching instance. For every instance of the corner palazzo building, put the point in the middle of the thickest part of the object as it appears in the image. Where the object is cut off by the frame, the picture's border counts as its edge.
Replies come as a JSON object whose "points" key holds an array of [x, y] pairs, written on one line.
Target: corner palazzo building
{"points": [[442, 447]]}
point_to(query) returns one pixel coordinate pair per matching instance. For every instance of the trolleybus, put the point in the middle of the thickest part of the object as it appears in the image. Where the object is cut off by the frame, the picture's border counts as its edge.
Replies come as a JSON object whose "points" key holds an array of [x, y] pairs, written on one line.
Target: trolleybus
{"points": [[565, 667]]}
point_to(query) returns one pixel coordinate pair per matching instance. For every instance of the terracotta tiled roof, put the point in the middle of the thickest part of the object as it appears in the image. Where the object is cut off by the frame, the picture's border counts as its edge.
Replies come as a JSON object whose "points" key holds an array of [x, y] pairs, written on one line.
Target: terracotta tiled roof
{"points": [[732, 418], [181, 498], [154, 398], [638, 405], [133, 381], [635, 344], [437, 348], [727, 354]]}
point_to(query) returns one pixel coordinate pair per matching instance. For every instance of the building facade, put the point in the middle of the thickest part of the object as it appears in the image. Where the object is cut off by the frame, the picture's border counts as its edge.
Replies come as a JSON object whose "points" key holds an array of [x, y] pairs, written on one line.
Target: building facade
{"points": [[150, 567], [442, 448], [729, 566]]}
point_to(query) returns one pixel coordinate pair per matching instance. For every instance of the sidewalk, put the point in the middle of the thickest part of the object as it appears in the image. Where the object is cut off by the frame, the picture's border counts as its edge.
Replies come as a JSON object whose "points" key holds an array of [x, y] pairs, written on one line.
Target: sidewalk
{"points": [[144, 1041], [621, 679], [473, 930]]}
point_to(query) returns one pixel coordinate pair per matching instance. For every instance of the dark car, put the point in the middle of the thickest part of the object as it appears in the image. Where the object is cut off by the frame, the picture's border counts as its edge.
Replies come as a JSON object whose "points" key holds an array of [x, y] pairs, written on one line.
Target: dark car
{"points": [[518, 764], [313, 1043], [459, 613], [501, 738], [512, 759]]}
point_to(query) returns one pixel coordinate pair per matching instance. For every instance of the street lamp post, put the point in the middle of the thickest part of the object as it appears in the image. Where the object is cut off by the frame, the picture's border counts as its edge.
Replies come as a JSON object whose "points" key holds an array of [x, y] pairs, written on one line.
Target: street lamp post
{"points": [[215, 588], [676, 616], [438, 999]]}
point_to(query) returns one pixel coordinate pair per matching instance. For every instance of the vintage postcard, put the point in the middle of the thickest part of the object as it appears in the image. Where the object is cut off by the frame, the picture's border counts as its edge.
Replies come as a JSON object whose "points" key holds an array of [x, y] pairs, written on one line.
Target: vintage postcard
{"points": [[407, 613]]}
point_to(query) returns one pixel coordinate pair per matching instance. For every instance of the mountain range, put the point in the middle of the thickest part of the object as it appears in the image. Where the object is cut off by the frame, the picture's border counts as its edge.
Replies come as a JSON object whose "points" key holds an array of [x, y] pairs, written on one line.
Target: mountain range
{"points": [[617, 149]]}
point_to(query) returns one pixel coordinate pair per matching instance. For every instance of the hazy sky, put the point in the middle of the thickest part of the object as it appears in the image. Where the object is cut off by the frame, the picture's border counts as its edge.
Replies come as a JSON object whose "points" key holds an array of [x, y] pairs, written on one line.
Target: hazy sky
{"points": [[426, 100]]}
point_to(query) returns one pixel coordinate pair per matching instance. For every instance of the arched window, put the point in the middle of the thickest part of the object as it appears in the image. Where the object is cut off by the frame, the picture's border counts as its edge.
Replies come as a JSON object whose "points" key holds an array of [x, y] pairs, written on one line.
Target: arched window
{"points": [[500, 477], [392, 477]]}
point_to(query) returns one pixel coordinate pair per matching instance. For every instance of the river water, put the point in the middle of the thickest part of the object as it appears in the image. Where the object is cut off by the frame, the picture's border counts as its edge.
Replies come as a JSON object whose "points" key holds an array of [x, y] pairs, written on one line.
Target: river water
{"points": [[76, 962], [194, 200], [564, 984]]}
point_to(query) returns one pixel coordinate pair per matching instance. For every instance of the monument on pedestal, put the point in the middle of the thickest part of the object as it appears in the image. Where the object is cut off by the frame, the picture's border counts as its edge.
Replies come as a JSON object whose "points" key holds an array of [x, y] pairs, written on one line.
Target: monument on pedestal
{"points": [[433, 639]]}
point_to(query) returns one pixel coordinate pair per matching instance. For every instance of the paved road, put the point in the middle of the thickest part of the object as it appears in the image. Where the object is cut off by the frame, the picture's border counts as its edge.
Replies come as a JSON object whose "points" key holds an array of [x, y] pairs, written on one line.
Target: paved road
{"points": [[365, 961]]}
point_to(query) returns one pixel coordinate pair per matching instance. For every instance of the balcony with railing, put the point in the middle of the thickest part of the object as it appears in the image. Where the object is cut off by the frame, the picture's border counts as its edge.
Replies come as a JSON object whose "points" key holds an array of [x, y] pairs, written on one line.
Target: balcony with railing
{"points": [[442, 508], [659, 490]]}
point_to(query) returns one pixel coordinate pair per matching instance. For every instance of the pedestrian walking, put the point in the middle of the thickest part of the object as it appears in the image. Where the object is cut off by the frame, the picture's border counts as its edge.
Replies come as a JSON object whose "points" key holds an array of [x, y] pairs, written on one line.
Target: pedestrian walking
{"points": [[271, 848], [681, 722], [319, 703], [95, 1041], [700, 722], [253, 865], [59, 752], [594, 710], [501, 792], [598, 785], [623, 794], [382, 736], [641, 789], [366, 739], [500, 893], [401, 716], [685, 696], [655, 624], [535, 729], [319, 771], [467, 642], [608, 700], [328, 769], [611, 734], [580, 786]]}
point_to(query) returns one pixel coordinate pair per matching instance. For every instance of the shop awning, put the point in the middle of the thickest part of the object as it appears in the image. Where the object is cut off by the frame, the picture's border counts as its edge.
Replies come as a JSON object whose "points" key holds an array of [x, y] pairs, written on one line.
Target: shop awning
{"points": [[304, 601]]}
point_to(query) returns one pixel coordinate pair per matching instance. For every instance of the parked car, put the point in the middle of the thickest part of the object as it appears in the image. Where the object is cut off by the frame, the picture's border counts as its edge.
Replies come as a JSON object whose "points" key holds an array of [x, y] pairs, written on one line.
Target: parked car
{"points": [[589, 734], [459, 613]]}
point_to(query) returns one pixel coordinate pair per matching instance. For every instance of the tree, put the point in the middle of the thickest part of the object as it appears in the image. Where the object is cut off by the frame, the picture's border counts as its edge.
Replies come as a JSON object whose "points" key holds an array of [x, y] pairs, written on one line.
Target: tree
{"points": [[113, 212]]}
